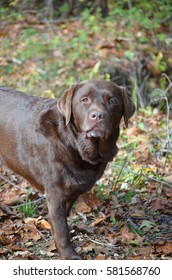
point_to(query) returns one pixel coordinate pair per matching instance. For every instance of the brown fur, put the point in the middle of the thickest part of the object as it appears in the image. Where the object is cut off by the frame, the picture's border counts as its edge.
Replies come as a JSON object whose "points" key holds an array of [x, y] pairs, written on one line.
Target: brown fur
{"points": [[62, 146]]}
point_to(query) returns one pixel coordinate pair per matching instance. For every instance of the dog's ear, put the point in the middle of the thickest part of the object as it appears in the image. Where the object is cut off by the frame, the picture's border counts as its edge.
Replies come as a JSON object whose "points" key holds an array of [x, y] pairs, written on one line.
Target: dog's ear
{"points": [[129, 107], [64, 104]]}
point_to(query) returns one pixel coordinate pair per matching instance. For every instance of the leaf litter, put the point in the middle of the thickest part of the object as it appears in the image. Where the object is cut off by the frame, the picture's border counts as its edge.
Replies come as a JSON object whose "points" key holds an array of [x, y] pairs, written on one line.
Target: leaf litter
{"points": [[131, 222], [128, 214]]}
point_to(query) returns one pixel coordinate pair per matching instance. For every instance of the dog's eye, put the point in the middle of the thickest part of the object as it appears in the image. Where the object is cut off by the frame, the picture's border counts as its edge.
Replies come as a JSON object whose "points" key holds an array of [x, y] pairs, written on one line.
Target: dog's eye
{"points": [[113, 101], [85, 99]]}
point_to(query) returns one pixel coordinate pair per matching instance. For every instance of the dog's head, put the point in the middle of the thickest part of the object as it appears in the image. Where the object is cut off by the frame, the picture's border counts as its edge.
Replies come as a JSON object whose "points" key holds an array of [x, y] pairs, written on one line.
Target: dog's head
{"points": [[96, 107]]}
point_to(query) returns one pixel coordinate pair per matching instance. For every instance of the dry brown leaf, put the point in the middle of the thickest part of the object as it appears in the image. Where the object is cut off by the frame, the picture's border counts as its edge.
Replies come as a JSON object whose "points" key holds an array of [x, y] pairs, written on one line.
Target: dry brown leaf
{"points": [[97, 221], [43, 224], [165, 248], [45, 253], [100, 257], [132, 130], [30, 228], [30, 221], [145, 251], [157, 204], [168, 179], [101, 249], [126, 235], [85, 63], [153, 68], [21, 255], [4, 240], [89, 247], [82, 207], [18, 248], [40, 223], [91, 200], [10, 196], [36, 237], [138, 213]]}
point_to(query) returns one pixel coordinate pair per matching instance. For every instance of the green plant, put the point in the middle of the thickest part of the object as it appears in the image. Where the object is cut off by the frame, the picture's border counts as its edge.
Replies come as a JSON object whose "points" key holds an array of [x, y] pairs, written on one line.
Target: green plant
{"points": [[28, 209], [8, 69], [113, 220], [92, 22], [146, 14], [63, 8], [129, 195], [28, 32]]}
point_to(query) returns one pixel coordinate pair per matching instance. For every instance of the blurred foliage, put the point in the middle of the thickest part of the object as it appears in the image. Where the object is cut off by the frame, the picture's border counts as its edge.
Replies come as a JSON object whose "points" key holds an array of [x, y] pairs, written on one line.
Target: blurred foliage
{"points": [[126, 8], [55, 43]]}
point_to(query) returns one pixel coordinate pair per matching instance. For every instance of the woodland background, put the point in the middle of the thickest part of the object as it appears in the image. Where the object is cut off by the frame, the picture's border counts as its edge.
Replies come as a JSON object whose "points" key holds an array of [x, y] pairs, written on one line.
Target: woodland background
{"points": [[45, 46]]}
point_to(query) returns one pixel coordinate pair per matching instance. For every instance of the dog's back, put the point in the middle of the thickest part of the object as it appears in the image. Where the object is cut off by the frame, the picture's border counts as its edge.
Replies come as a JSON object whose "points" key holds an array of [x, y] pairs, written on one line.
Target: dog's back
{"points": [[19, 113]]}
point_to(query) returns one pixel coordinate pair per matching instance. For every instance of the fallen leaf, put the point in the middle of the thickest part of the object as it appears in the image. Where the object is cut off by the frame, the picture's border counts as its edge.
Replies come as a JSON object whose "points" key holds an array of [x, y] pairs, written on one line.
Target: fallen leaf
{"points": [[91, 200], [100, 257], [22, 254], [157, 204], [43, 224], [168, 179], [138, 213], [18, 248], [45, 253], [153, 68], [165, 248], [82, 207], [101, 249], [145, 252], [36, 237], [38, 222], [147, 224], [4, 240], [31, 228], [30, 221], [133, 130], [97, 221], [126, 234], [89, 247], [10, 196]]}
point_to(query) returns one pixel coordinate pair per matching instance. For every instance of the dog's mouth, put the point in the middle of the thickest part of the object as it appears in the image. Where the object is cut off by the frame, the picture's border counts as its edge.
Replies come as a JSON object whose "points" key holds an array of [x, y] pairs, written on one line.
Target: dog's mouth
{"points": [[95, 132]]}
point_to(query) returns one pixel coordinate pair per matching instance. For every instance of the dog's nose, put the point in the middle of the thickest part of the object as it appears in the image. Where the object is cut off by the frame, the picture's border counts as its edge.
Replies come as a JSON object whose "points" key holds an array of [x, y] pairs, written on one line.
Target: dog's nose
{"points": [[97, 116]]}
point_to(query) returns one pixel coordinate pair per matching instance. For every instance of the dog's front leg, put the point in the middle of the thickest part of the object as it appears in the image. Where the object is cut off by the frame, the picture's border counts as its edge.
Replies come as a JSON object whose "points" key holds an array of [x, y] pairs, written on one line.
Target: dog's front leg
{"points": [[58, 216], [69, 203]]}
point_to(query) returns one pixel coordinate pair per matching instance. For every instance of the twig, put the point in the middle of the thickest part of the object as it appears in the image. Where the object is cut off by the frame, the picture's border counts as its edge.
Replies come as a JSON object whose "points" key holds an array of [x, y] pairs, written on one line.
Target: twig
{"points": [[15, 186], [101, 243], [120, 172], [24, 226], [31, 201], [144, 175], [168, 142], [42, 196], [158, 181], [136, 86]]}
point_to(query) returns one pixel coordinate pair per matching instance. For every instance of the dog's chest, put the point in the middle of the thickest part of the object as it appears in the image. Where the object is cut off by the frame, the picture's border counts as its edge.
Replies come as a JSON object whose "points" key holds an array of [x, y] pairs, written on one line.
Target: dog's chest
{"points": [[82, 177]]}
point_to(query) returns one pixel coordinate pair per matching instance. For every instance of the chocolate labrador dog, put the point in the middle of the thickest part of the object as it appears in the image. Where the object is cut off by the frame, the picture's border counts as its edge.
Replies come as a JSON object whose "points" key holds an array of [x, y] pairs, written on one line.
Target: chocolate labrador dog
{"points": [[62, 146]]}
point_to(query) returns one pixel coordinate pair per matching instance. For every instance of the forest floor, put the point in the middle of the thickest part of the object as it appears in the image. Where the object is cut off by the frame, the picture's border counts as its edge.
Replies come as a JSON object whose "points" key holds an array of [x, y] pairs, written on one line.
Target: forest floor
{"points": [[128, 214]]}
